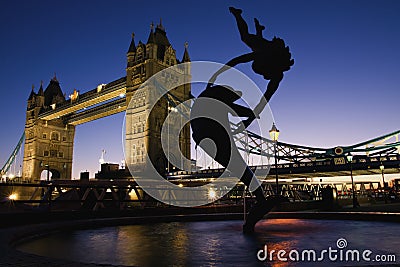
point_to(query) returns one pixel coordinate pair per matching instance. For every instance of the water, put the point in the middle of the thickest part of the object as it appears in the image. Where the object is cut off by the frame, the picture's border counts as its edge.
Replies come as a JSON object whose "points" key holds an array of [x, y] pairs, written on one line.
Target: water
{"points": [[218, 243]]}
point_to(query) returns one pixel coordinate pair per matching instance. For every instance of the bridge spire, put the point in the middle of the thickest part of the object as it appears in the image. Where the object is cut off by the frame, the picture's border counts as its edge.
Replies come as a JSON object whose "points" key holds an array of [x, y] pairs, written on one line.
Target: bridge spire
{"points": [[132, 46], [32, 94], [186, 57], [41, 93], [160, 26], [53, 93], [151, 39]]}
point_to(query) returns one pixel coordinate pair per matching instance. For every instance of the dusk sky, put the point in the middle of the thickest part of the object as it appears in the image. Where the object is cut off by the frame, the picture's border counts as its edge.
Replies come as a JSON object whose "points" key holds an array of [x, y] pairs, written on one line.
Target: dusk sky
{"points": [[344, 87]]}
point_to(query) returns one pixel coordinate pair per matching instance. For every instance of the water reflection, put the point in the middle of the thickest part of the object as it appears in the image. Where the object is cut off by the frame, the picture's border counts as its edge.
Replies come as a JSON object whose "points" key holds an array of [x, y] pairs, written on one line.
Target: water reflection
{"points": [[211, 243]]}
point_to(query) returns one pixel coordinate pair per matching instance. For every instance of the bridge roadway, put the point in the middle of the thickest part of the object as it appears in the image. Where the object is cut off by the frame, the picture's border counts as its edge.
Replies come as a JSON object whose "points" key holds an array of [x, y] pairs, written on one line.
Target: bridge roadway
{"points": [[333, 167], [78, 111]]}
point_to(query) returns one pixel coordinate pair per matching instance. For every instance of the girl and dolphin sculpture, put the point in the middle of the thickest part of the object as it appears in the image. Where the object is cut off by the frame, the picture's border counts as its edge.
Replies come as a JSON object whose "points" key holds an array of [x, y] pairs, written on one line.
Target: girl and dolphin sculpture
{"points": [[210, 111]]}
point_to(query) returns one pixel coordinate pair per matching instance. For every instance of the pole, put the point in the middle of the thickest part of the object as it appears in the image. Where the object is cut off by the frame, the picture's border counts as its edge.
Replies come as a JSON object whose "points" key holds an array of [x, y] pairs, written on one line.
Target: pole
{"points": [[353, 186], [244, 203], [383, 186], [276, 170]]}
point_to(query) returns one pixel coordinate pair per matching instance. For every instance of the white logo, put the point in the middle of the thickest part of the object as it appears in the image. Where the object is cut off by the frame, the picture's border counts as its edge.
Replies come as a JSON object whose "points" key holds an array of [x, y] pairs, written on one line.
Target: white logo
{"points": [[341, 243]]}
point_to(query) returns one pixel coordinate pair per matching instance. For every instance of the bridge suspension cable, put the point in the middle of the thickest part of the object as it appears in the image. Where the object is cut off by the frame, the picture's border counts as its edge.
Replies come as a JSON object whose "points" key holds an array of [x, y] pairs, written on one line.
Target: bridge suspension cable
{"points": [[13, 155]]}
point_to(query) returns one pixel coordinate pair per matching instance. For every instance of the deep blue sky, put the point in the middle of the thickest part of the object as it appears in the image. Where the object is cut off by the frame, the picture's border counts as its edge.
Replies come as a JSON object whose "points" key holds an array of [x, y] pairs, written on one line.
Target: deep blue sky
{"points": [[343, 88]]}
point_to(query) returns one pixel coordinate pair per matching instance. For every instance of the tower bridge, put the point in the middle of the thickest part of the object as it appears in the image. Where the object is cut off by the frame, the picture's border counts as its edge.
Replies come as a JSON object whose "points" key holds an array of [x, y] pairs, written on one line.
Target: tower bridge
{"points": [[51, 118], [48, 138]]}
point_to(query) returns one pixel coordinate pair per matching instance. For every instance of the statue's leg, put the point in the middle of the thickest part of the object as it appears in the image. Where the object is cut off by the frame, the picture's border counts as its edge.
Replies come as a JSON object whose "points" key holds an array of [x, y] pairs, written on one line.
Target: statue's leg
{"points": [[258, 211], [248, 178], [221, 146], [259, 28], [243, 28], [263, 205]]}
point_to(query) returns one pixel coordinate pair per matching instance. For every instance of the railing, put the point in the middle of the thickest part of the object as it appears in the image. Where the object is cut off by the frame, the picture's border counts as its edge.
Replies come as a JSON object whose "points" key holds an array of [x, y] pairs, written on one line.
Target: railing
{"points": [[122, 195]]}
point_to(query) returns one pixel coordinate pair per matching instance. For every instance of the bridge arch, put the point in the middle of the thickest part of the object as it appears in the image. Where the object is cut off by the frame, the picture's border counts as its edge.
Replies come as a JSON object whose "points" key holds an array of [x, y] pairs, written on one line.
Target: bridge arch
{"points": [[49, 174]]}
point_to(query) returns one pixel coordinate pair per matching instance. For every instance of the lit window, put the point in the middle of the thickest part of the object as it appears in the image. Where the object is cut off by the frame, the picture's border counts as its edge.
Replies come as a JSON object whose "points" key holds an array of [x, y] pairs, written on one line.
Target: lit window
{"points": [[55, 136], [53, 153]]}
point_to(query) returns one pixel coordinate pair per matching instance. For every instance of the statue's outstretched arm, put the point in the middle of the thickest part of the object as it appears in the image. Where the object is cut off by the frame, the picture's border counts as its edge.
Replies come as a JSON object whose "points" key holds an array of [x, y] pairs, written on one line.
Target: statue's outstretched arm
{"points": [[241, 111], [271, 89], [233, 62]]}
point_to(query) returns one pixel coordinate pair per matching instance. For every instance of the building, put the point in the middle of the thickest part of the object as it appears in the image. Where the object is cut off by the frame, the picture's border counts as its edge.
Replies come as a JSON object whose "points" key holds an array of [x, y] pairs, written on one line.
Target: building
{"points": [[49, 140]]}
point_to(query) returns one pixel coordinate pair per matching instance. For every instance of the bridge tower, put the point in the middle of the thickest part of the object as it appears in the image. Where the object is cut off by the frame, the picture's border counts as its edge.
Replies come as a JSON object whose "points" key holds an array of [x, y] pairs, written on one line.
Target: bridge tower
{"points": [[48, 144], [145, 60]]}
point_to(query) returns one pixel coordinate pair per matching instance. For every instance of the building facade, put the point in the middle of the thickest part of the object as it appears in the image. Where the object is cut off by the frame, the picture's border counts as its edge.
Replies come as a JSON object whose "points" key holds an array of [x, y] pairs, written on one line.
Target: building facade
{"points": [[48, 144], [143, 120]]}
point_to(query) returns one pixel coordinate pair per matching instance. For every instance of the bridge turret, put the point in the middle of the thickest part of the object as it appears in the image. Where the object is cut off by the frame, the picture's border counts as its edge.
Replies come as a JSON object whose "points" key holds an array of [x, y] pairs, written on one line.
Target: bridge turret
{"points": [[131, 51], [34, 105], [151, 38], [40, 96], [31, 98], [143, 127], [53, 93], [48, 143], [40, 92], [186, 57], [132, 46]]}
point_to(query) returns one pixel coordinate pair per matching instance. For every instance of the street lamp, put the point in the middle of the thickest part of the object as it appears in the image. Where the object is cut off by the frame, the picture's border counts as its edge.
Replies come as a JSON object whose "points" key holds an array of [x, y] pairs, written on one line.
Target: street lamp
{"points": [[65, 170], [382, 167], [48, 171], [47, 168], [350, 160], [383, 175], [274, 134]]}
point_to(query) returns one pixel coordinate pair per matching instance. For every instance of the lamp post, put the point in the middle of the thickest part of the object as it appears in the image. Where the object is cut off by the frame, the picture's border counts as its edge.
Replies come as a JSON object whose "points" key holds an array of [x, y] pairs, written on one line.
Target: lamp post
{"points": [[383, 175], [48, 171], [65, 170], [382, 168], [350, 160], [274, 134], [47, 168]]}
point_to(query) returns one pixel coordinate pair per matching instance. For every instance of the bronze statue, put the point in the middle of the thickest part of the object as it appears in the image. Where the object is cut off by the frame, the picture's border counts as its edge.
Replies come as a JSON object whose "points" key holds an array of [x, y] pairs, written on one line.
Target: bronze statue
{"points": [[269, 59], [209, 115]]}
